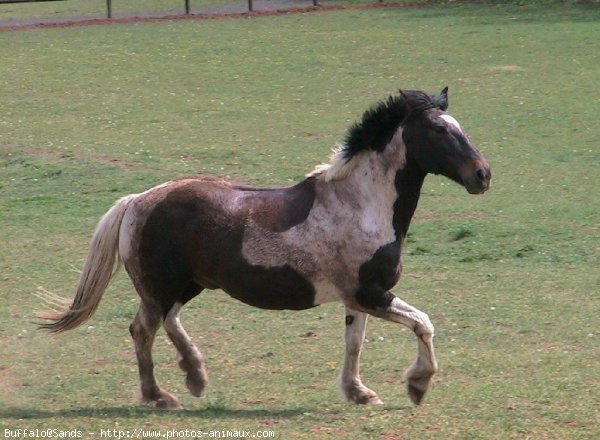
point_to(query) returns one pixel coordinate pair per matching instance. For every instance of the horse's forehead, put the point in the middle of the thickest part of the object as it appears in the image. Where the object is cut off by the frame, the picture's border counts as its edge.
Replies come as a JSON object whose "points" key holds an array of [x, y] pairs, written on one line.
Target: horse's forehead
{"points": [[450, 120]]}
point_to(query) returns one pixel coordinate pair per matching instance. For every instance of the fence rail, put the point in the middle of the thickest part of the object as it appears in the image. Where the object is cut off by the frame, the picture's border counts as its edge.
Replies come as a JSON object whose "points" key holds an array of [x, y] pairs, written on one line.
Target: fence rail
{"points": [[29, 1], [109, 4]]}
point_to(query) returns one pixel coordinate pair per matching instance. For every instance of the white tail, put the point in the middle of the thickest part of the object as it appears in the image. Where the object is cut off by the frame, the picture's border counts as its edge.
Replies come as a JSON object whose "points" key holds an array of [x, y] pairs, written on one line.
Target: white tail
{"points": [[99, 269]]}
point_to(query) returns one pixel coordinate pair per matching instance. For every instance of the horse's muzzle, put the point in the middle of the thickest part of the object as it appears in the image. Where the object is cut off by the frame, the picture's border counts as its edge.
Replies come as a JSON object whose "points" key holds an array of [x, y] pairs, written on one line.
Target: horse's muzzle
{"points": [[479, 181]]}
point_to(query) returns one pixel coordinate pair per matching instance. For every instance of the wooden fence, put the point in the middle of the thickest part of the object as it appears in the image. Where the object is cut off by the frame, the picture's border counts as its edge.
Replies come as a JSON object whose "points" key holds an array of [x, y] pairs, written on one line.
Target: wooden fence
{"points": [[109, 4]]}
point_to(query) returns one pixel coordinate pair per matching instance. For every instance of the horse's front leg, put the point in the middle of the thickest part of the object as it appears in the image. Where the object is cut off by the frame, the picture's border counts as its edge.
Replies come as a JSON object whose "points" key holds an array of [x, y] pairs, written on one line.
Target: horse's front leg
{"points": [[381, 303], [349, 379]]}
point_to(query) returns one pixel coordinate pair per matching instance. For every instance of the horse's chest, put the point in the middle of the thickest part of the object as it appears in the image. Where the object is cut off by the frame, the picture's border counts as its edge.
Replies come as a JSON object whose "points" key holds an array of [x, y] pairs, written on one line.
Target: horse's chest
{"points": [[328, 249], [383, 268]]}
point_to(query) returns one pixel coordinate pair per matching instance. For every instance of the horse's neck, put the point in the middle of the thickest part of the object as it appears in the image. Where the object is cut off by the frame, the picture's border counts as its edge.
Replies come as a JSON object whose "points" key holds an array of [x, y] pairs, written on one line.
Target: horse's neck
{"points": [[408, 182], [383, 188], [368, 187], [382, 191], [390, 182]]}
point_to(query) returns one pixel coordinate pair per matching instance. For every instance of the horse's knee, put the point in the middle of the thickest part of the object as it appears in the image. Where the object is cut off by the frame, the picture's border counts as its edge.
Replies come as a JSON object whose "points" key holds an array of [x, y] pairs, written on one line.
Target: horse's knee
{"points": [[138, 333], [423, 327]]}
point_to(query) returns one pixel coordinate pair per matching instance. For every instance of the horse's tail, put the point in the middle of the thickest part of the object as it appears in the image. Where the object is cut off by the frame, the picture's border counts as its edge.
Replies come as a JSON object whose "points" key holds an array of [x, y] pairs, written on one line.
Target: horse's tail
{"points": [[100, 267]]}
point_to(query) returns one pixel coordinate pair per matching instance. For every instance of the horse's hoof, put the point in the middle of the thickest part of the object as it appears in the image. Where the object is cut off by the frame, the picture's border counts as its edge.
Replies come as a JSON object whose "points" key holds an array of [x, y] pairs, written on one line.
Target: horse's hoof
{"points": [[415, 394], [418, 383], [365, 398], [368, 400], [195, 383], [373, 400], [167, 401]]}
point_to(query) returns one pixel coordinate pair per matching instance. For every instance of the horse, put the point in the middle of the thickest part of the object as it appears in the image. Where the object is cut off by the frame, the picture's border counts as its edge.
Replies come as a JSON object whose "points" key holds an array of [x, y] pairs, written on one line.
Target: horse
{"points": [[337, 235]]}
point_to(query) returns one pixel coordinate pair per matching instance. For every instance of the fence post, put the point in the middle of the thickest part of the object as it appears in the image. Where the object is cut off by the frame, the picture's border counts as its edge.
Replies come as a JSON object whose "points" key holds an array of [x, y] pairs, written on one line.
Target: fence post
{"points": [[250, 5], [187, 6], [108, 8]]}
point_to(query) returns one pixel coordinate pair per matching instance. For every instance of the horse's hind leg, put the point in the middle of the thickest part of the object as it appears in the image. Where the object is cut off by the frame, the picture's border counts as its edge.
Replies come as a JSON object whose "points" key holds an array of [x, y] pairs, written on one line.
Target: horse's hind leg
{"points": [[190, 358], [143, 330]]}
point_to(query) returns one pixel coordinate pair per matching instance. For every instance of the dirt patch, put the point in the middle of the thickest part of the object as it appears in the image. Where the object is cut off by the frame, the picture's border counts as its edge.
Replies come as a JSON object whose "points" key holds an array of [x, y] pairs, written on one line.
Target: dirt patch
{"points": [[15, 150], [9, 381], [216, 15], [511, 68]]}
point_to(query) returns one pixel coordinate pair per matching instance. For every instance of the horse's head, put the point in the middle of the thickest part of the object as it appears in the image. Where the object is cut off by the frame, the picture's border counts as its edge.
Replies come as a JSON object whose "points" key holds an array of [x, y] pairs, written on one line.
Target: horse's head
{"points": [[438, 143]]}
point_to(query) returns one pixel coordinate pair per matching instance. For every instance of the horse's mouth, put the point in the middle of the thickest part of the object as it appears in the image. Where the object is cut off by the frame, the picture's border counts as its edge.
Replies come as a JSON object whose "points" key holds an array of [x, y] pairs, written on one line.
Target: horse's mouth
{"points": [[478, 186], [478, 190]]}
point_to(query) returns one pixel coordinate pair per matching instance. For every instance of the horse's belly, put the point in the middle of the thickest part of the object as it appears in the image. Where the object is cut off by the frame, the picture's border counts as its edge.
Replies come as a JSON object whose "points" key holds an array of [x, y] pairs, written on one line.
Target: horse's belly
{"points": [[275, 288]]}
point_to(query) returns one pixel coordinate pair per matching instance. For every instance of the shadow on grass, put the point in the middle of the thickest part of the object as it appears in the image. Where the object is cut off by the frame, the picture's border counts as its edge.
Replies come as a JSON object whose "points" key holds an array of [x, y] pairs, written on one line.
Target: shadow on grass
{"points": [[210, 412]]}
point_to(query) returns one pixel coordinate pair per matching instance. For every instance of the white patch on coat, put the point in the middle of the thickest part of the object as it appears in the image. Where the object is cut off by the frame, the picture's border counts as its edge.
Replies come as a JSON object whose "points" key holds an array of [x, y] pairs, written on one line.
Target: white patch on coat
{"points": [[350, 220], [450, 120], [339, 168]]}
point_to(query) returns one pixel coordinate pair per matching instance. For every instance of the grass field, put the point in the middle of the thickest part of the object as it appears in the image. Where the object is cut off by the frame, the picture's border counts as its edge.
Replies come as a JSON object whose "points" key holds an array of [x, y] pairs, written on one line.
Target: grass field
{"points": [[510, 280]]}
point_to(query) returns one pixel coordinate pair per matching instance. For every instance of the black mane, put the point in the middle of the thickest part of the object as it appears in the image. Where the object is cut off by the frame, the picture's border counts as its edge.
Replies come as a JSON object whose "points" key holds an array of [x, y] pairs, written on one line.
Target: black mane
{"points": [[379, 123]]}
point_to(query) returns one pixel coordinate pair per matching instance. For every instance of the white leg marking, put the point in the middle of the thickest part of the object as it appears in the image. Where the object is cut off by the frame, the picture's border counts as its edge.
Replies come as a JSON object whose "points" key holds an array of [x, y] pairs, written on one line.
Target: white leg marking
{"points": [[411, 317], [349, 379], [419, 374]]}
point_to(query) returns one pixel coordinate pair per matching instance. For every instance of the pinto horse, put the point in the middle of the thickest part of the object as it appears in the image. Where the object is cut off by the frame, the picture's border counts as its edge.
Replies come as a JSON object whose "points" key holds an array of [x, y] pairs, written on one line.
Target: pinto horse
{"points": [[335, 236]]}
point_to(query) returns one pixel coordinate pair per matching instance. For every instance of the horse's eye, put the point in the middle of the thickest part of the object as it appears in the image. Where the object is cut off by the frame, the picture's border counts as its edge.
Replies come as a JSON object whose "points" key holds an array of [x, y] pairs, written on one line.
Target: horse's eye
{"points": [[439, 128]]}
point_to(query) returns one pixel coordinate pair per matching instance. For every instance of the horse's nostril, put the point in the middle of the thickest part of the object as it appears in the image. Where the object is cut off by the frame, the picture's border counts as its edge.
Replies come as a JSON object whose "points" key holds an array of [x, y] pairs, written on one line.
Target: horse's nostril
{"points": [[481, 174]]}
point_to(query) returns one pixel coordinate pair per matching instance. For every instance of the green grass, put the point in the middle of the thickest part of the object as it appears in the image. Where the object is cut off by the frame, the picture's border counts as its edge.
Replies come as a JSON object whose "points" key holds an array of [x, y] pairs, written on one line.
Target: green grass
{"points": [[510, 279]]}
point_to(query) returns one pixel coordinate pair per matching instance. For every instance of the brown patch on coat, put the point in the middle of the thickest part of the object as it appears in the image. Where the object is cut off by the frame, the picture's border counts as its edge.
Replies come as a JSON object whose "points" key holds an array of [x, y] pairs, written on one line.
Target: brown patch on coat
{"points": [[280, 209], [191, 237]]}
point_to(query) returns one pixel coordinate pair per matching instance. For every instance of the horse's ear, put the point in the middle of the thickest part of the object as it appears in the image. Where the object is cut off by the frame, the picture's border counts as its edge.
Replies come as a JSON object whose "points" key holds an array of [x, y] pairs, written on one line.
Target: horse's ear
{"points": [[442, 99]]}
